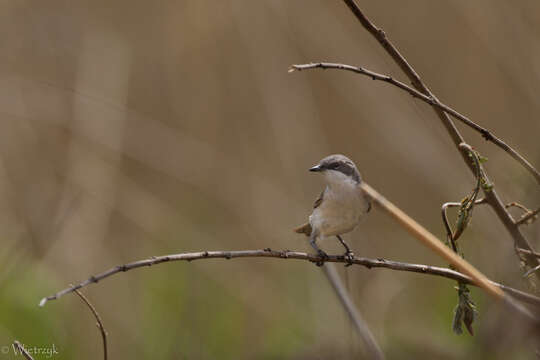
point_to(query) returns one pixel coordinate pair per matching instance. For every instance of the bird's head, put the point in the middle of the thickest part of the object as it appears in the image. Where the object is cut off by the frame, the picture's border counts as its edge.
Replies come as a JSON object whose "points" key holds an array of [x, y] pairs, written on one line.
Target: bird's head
{"points": [[337, 168]]}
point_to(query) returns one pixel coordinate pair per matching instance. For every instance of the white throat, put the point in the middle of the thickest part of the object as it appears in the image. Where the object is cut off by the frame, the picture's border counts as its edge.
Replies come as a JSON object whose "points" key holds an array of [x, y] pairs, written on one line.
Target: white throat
{"points": [[337, 179]]}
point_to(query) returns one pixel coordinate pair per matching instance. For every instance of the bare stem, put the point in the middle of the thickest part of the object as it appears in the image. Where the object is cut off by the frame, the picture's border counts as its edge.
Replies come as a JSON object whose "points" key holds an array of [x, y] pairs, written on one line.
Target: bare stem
{"points": [[289, 255], [359, 323], [22, 350], [98, 319]]}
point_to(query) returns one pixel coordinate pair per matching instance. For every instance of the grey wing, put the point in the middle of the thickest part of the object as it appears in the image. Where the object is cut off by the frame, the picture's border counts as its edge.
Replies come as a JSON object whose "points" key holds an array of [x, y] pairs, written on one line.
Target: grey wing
{"points": [[368, 200], [306, 228], [319, 200]]}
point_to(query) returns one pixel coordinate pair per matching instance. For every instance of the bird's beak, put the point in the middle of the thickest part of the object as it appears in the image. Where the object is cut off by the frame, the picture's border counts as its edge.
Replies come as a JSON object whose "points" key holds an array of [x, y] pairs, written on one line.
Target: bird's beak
{"points": [[316, 168]]}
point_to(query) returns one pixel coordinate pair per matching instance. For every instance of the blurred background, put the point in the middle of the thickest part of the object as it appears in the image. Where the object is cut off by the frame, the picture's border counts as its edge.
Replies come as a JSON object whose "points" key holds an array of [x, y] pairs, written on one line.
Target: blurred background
{"points": [[132, 128]]}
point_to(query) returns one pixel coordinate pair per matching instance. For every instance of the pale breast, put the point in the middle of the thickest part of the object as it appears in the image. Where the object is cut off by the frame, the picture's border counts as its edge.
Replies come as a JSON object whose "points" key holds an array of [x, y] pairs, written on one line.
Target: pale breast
{"points": [[340, 211]]}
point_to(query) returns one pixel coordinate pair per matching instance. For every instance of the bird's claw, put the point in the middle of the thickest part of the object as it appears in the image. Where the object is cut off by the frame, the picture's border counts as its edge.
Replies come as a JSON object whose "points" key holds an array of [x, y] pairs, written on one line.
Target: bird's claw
{"points": [[323, 257], [349, 258]]}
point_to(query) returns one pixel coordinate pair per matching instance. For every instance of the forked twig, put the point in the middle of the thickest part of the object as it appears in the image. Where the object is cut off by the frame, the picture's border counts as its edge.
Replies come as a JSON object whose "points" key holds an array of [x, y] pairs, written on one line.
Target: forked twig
{"points": [[486, 134], [527, 218], [492, 198]]}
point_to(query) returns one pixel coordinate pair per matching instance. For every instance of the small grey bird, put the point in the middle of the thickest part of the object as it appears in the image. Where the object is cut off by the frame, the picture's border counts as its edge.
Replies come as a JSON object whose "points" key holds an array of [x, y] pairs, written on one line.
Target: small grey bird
{"points": [[340, 206]]}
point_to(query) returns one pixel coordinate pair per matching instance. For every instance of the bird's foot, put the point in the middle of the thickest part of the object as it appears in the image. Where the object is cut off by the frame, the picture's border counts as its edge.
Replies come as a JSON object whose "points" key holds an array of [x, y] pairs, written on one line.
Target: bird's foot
{"points": [[323, 257], [349, 258]]}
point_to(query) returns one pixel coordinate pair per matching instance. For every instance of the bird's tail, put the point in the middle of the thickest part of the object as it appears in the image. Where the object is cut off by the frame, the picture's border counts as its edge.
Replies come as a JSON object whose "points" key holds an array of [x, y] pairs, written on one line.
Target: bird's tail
{"points": [[304, 229]]}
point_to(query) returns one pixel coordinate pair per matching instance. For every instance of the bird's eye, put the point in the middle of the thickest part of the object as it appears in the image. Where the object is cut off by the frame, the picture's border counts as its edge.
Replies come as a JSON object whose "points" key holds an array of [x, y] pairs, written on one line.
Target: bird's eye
{"points": [[333, 166]]}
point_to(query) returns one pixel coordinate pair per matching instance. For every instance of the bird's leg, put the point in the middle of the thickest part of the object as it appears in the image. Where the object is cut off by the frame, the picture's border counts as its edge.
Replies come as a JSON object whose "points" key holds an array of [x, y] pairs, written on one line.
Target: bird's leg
{"points": [[321, 253], [349, 256]]}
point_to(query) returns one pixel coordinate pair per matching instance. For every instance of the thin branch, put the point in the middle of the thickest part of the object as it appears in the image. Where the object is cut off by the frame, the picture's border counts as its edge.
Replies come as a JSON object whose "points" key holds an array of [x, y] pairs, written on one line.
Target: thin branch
{"points": [[98, 319], [360, 324], [529, 252], [491, 196], [287, 254], [519, 206], [486, 134], [22, 350], [528, 273], [528, 214], [527, 217]]}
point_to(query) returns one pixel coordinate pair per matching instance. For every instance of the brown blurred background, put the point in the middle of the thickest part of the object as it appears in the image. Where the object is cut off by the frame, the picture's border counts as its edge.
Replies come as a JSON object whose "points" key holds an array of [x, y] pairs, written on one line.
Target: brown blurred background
{"points": [[134, 128]]}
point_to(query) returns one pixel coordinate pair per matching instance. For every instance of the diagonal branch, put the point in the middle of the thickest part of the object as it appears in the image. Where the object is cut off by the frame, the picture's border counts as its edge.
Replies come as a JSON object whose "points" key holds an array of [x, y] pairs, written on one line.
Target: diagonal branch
{"points": [[431, 241], [528, 273], [287, 254], [486, 134], [22, 350], [362, 329], [491, 196]]}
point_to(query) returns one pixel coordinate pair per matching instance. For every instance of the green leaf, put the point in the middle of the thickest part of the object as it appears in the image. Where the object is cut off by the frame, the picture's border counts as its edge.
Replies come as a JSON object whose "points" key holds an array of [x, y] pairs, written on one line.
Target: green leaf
{"points": [[456, 321], [481, 159], [465, 311], [468, 318]]}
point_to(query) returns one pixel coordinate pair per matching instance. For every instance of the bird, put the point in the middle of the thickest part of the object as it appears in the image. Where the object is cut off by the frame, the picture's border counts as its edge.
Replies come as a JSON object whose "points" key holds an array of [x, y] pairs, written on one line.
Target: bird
{"points": [[340, 206]]}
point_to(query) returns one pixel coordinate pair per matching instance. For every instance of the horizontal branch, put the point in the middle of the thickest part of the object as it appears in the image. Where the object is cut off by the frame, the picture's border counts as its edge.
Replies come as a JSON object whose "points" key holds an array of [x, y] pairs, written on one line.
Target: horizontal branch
{"points": [[286, 254], [486, 134]]}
